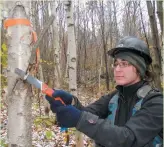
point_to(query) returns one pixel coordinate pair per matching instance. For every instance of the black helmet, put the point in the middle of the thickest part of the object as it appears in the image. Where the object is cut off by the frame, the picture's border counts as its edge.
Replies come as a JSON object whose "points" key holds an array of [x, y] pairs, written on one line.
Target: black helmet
{"points": [[132, 44]]}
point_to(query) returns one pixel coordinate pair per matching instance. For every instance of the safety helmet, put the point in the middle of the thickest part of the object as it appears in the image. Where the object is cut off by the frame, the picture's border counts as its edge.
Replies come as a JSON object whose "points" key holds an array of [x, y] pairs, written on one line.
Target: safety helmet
{"points": [[132, 44]]}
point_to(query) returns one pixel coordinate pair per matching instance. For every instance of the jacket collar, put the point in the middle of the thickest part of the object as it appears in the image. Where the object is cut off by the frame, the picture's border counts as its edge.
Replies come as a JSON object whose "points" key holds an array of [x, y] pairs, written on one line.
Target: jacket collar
{"points": [[129, 91]]}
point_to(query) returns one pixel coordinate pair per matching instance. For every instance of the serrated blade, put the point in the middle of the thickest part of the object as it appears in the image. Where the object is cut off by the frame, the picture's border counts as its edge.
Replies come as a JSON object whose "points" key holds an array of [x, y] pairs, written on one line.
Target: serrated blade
{"points": [[37, 84], [29, 78]]}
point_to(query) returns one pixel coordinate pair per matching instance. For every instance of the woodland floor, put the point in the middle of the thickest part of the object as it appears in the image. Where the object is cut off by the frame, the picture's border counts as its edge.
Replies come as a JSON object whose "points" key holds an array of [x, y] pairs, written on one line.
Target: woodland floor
{"points": [[45, 133]]}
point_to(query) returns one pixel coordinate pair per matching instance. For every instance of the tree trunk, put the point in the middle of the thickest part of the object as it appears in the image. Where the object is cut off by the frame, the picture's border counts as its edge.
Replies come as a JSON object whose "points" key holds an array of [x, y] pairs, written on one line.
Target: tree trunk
{"points": [[56, 49], [100, 71], [115, 21], [154, 30], [160, 14], [72, 61], [72, 49], [19, 93], [146, 36], [104, 41], [157, 61]]}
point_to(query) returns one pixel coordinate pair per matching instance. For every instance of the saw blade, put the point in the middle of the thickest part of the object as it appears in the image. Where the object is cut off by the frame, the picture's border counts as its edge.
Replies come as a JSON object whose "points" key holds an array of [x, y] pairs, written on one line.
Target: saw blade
{"points": [[30, 79]]}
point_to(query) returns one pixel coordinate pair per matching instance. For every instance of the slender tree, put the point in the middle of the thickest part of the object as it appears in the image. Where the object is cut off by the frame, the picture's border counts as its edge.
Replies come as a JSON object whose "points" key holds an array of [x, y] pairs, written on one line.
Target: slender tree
{"points": [[72, 59], [160, 14], [56, 49], [104, 38], [156, 44]]}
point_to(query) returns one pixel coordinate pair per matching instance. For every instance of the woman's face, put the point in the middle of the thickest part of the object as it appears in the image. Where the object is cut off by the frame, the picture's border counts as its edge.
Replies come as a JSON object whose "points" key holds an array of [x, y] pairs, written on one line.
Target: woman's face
{"points": [[124, 73]]}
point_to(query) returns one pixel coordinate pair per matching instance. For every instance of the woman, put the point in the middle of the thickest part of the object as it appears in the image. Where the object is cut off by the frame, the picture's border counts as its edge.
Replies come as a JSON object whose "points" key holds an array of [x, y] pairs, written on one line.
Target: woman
{"points": [[130, 116]]}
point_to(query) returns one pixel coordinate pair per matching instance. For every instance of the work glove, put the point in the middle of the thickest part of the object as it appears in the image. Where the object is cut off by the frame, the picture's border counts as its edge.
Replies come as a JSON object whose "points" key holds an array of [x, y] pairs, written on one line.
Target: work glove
{"points": [[53, 103], [68, 116], [66, 97]]}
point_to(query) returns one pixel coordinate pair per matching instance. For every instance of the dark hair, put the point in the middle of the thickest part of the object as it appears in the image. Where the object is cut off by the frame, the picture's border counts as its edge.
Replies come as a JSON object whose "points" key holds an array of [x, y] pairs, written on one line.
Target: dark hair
{"points": [[149, 76]]}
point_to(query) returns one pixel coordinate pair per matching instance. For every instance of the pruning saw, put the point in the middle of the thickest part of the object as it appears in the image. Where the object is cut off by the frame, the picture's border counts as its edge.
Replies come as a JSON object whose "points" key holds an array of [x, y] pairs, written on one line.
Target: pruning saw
{"points": [[40, 85], [37, 84]]}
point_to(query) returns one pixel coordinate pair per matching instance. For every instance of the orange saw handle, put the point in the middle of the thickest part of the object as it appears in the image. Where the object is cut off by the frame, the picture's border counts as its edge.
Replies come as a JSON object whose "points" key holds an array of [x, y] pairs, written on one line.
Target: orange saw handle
{"points": [[49, 91]]}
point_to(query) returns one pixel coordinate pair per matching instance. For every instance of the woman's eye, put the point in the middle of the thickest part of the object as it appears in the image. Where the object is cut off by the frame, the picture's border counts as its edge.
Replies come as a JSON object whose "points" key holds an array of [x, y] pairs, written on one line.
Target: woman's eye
{"points": [[124, 64], [115, 64]]}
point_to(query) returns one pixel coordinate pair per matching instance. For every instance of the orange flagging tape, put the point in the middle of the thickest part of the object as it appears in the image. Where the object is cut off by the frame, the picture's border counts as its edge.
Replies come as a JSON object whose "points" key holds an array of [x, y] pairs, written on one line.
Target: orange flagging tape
{"points": [[23, 21], [34, 36], [16, 21]]}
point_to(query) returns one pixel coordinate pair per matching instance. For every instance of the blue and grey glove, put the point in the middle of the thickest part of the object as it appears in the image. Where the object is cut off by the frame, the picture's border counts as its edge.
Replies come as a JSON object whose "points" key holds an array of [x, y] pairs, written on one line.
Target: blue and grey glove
{"points": [[65, 96], [68, 116]]}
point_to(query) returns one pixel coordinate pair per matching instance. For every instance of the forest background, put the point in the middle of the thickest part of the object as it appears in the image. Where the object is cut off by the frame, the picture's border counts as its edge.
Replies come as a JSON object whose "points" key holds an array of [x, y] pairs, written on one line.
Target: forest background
{"points": [[73, 40]]}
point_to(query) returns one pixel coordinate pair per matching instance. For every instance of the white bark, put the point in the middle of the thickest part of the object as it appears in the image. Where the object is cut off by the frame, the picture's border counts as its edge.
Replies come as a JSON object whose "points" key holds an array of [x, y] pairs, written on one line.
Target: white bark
{"points": [[56, 48], [19, 102], [72, 49], [72, 62], [67, 65]]}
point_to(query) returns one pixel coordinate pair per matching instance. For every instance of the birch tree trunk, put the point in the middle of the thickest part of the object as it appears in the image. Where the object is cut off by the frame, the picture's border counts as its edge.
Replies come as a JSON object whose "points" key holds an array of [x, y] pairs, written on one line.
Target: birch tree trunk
{"points": [[72, 49], [19, 93], [56, 49], [72, 60]]}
